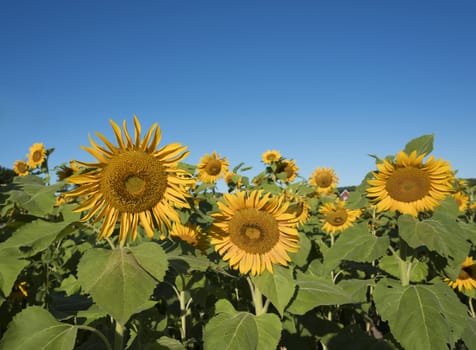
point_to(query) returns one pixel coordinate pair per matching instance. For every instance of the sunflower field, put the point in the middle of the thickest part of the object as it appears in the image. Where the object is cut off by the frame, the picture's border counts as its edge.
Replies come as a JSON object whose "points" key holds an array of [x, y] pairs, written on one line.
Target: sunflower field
{"points": [[140, 250]]}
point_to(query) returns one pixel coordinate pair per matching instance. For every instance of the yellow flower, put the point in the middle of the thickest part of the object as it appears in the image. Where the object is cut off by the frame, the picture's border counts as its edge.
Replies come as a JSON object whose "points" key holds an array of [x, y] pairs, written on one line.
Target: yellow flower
{"points": [[37, 155], [192, 234], [324, 179], [253, 231], [133, 183], [462, 200], [467, 276], [270, 157], [21, 168], [212, 167], [337, 217], [288, 167], [66, 171], [410, 186], [19, 292]]}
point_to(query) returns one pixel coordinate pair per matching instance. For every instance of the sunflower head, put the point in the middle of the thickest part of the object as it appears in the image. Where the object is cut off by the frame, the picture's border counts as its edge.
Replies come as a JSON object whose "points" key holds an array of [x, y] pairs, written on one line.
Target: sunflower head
{"points": [[21, 168], [462, 200], [270, 157], [466, 279], [134, 183], [324, 179], [37, 155], [288, 168], [212, 167], [192, 234], [253, 231], [409, 185], [336, 217]]}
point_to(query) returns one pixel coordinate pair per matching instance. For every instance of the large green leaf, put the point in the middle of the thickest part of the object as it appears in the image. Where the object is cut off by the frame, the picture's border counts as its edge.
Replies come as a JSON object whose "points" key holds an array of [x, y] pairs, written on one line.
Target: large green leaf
{"points": [[443, 236], [356, 244], [231, 329], [37, 235], [121, 281], [11, 266], [278, 287], [422, 144], [36, 328], [418, 271], [315, 291], [469, 333], [421, 317], [33, 195]]}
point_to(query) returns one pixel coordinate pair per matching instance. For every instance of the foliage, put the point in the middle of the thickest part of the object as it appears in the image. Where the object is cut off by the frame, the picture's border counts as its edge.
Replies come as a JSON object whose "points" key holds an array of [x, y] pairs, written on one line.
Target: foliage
{"points": [[379, 284]]}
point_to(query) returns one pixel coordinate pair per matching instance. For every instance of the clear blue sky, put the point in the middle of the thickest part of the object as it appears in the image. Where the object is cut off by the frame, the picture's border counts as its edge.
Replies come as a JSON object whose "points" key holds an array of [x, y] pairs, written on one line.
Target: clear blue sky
{"points": [[324, 82]]}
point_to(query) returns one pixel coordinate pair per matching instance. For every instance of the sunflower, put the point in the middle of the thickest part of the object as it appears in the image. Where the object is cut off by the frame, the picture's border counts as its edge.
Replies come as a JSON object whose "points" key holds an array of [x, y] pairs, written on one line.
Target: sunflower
{"points": [[21, 168], [462, 200], [19, 292], [467, 276], [212, 167], [133, 183], [337, 217], [289, 168], [66, 171], [270, 157], [192, 234], [37, 155], [409, 185], [324, 179], [253, 231]]}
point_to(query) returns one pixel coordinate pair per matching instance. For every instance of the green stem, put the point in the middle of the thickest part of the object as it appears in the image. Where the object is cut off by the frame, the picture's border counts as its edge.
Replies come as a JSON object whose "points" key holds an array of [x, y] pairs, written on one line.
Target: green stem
{"points": [[118, 336], [471, 307], [183, 315], [404, 267], [257, 298], [98, 333]]}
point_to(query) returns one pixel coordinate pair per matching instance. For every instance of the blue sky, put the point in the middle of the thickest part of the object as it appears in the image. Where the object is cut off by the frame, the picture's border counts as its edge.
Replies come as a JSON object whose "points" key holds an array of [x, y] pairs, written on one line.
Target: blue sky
{"points": [[324, 82]]}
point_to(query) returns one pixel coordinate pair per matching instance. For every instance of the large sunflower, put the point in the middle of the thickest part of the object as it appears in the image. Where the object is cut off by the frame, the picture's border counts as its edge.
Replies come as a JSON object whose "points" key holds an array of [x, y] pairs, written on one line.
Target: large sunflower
{"points": [[133, 183], [270, 157], [37, 155], [467, 276], [336, 217], [21, 168], [253, 231], [409, 185], [212, 167], [324, 179]]}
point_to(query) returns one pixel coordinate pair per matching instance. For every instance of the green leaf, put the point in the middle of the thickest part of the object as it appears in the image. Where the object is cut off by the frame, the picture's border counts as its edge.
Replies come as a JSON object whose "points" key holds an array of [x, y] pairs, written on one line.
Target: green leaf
{"points": [[269, 331], [421, 316], [36, 236], [36, 328], [422, 144], [121, 281], [300, 257], [315, 291], [11, 266], [469, 333], [278, 287], [442, 236], [356, 244], [231, 329], [33, 195]]}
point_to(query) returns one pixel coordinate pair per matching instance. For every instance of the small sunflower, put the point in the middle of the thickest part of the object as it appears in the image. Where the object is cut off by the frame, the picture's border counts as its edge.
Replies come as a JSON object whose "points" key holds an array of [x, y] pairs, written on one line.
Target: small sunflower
{"points": [[289, 168], [337, 217], [133, 183], [462, 200], [212, 167], [298, 206], [324, 179], [192, 234], [270, 157], [253, 231], [409, 185], [21, 168], [466, 278], [66, 171], [37, 155]]}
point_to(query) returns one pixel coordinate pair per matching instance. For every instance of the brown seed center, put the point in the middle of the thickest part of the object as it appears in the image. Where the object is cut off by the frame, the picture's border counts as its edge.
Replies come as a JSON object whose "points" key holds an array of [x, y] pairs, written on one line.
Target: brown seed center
{"points": [[408, 184], [213, 167]]}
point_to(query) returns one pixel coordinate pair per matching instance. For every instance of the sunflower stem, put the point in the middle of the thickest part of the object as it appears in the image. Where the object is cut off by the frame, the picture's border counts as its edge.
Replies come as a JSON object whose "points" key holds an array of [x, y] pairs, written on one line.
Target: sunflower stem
{"points": [[98, 333], [257, 298], [471, 307], [118, 336]]}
